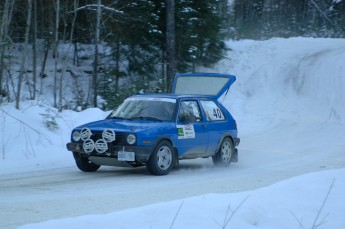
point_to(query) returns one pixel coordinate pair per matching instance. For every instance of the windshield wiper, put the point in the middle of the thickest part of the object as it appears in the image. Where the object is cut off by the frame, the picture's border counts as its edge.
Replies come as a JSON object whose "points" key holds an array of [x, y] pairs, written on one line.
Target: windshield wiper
{"points": [[146, 118], [116, 117]]}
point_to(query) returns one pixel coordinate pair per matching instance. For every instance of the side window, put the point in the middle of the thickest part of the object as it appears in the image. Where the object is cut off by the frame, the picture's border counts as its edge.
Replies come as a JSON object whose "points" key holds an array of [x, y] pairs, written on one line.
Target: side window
{"points": [[189, 112], [212, 111]]}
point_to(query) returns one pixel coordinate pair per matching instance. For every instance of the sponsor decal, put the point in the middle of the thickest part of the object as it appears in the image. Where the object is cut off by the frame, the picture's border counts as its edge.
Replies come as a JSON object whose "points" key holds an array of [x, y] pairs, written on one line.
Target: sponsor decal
{"points": [[185, 131], [180, 131], [109, 135], [85, 134], [88, 146], [101, 146]]}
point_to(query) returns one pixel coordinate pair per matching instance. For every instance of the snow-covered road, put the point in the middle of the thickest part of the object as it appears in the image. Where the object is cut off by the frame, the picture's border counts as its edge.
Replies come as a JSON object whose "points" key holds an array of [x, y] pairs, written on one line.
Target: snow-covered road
{"points": [[265, 158], [291, 119]]}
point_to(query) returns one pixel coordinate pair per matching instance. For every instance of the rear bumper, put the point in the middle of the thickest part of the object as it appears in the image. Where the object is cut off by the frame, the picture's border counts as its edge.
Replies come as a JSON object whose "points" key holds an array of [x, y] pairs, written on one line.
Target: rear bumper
{"points": [[237, 141]]}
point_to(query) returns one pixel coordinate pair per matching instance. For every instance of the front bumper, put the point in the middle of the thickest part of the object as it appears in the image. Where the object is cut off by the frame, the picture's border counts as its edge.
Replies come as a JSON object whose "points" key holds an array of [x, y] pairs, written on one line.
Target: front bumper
{"points": [[142, 153]]}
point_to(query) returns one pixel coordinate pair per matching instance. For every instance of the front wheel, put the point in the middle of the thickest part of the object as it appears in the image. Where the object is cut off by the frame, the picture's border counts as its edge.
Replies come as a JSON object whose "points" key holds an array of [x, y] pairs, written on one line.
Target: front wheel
{"points": [[224, 154], [162, 159], [85, 164]]}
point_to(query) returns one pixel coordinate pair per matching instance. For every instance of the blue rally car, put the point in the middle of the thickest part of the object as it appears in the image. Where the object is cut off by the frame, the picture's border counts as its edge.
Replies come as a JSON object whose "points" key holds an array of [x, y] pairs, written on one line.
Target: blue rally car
{"points": [[158, 130]]}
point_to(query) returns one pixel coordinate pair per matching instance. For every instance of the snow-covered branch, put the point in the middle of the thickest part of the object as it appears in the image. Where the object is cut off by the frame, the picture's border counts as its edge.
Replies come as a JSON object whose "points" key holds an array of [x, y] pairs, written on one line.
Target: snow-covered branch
{"points": [[26, 125], [94, 7]]}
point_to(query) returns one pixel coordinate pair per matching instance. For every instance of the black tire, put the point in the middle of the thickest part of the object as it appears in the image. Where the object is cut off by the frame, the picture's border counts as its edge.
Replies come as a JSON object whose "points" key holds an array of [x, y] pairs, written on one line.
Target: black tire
{"points": [[162, 159], [224, 154], [85, 164]]}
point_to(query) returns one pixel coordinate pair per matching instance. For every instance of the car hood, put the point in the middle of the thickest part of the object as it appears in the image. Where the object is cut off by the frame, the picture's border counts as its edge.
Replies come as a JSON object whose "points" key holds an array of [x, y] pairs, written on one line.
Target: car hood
{"points": [[121, 125]]}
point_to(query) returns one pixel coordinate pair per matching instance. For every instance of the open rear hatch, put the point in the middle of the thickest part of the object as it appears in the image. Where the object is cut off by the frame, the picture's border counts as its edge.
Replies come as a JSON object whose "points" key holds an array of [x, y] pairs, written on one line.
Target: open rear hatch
{"points": [[210, 84]]}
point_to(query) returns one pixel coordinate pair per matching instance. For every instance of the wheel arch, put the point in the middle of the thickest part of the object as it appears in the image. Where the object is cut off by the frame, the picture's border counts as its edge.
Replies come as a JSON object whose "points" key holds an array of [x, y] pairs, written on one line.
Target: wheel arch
{"points": [[226, 135], [165, 138]]}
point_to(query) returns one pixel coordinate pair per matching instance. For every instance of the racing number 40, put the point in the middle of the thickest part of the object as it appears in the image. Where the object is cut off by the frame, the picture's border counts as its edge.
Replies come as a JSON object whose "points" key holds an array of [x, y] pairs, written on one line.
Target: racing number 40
{"points": [[217, 113]]}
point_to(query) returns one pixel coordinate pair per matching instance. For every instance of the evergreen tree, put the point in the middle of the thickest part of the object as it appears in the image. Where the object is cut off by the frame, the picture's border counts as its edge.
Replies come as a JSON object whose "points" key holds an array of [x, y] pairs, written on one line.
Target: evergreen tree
{"points": [[132, 37], [262, 19], [199, 41]]}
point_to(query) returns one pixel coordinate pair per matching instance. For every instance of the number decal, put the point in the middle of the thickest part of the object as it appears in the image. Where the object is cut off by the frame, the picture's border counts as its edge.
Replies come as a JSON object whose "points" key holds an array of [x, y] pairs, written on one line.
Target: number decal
{"points": [[213, 112], [217, 113]]}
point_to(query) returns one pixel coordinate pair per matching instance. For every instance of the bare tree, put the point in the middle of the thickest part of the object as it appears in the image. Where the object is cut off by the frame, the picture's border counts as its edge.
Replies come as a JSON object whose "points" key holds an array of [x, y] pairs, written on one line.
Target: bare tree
{"points": [[170, 41], [56, 53], [93, 86], [65, 57], [5, 22], [24, 54], [34, 50], [95, 66]]}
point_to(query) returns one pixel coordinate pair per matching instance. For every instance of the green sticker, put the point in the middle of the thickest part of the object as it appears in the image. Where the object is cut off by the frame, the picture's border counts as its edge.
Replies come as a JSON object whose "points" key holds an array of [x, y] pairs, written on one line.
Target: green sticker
{"points": [[180, 131]]}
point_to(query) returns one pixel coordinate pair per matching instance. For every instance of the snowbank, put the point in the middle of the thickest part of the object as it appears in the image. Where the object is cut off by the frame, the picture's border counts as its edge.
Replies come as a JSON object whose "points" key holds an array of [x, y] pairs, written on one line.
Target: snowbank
{"points": [[308, 201], [37, 134]]}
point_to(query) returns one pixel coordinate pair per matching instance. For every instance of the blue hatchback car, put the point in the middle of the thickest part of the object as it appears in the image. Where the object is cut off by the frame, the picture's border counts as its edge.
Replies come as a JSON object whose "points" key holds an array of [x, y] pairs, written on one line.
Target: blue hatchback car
{"points": [[158, 130]]}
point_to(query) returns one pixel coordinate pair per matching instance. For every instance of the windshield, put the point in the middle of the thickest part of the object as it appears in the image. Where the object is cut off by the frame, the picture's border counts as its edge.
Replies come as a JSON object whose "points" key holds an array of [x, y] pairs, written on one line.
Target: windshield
{"points": [[155, 109]]}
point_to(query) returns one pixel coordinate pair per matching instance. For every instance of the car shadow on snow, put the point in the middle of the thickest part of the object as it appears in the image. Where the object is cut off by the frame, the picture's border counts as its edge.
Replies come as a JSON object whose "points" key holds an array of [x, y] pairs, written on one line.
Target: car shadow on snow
{"points": [[185, 166]]}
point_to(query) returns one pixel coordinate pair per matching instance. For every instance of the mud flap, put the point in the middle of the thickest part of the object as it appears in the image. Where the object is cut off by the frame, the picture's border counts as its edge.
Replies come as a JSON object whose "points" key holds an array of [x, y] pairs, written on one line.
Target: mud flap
{"points": [[234, 156]]}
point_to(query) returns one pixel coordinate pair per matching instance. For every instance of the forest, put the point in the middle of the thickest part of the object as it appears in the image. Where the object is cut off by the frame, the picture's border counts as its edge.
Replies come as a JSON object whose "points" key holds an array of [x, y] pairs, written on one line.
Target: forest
{"points": [[110, 49]]}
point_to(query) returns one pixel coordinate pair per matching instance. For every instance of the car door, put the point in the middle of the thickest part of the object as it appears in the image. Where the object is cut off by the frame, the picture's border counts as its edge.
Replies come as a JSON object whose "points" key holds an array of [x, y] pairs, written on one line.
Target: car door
{"points": [[216, 123], [192, 139]]}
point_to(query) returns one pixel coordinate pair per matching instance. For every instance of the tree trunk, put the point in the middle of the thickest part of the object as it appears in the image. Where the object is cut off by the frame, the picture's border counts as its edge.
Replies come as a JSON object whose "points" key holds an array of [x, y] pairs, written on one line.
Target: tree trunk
{"points": [[34, 50], [23, 61], [95, 66], [170, 41], [64, 65], [45, 57], [57, 17], [164, 74], [5, 22], [117, 63]]}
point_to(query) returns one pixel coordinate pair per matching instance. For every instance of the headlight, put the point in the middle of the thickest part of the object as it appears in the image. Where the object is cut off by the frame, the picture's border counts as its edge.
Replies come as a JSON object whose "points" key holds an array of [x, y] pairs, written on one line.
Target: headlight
{"points": [[131, 139], [76, 136]]}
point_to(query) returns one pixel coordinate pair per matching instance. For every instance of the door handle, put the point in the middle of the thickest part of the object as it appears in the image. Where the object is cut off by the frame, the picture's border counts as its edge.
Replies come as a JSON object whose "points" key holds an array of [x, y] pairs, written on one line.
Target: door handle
{"points": [[204, 126]]}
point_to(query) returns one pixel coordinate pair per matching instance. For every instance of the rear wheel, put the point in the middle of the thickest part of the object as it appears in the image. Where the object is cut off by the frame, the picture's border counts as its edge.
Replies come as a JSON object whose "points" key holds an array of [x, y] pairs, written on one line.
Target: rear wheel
{"points": [[224, 154], [162, 159], [84, 164]]}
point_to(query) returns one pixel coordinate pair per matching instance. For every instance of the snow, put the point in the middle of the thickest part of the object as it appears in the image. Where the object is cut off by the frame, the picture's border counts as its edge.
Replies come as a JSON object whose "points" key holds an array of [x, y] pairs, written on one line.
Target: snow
{"points": [[289, 104], [283, 205]]}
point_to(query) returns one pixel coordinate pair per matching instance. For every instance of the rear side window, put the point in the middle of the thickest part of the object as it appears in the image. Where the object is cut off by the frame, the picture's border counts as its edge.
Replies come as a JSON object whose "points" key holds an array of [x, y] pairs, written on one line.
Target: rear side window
{"points": [[213, 112]]}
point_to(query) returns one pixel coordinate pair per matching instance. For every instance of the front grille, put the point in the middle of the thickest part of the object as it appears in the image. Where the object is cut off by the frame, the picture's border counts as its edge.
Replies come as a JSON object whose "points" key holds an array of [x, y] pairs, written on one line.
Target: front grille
{"points": [[93, 146], [120, 138]]}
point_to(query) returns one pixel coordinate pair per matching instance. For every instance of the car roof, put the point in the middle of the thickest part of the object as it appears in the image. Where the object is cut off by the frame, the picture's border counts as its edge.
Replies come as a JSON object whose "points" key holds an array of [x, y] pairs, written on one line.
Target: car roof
{"points": [[171, 96]]}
